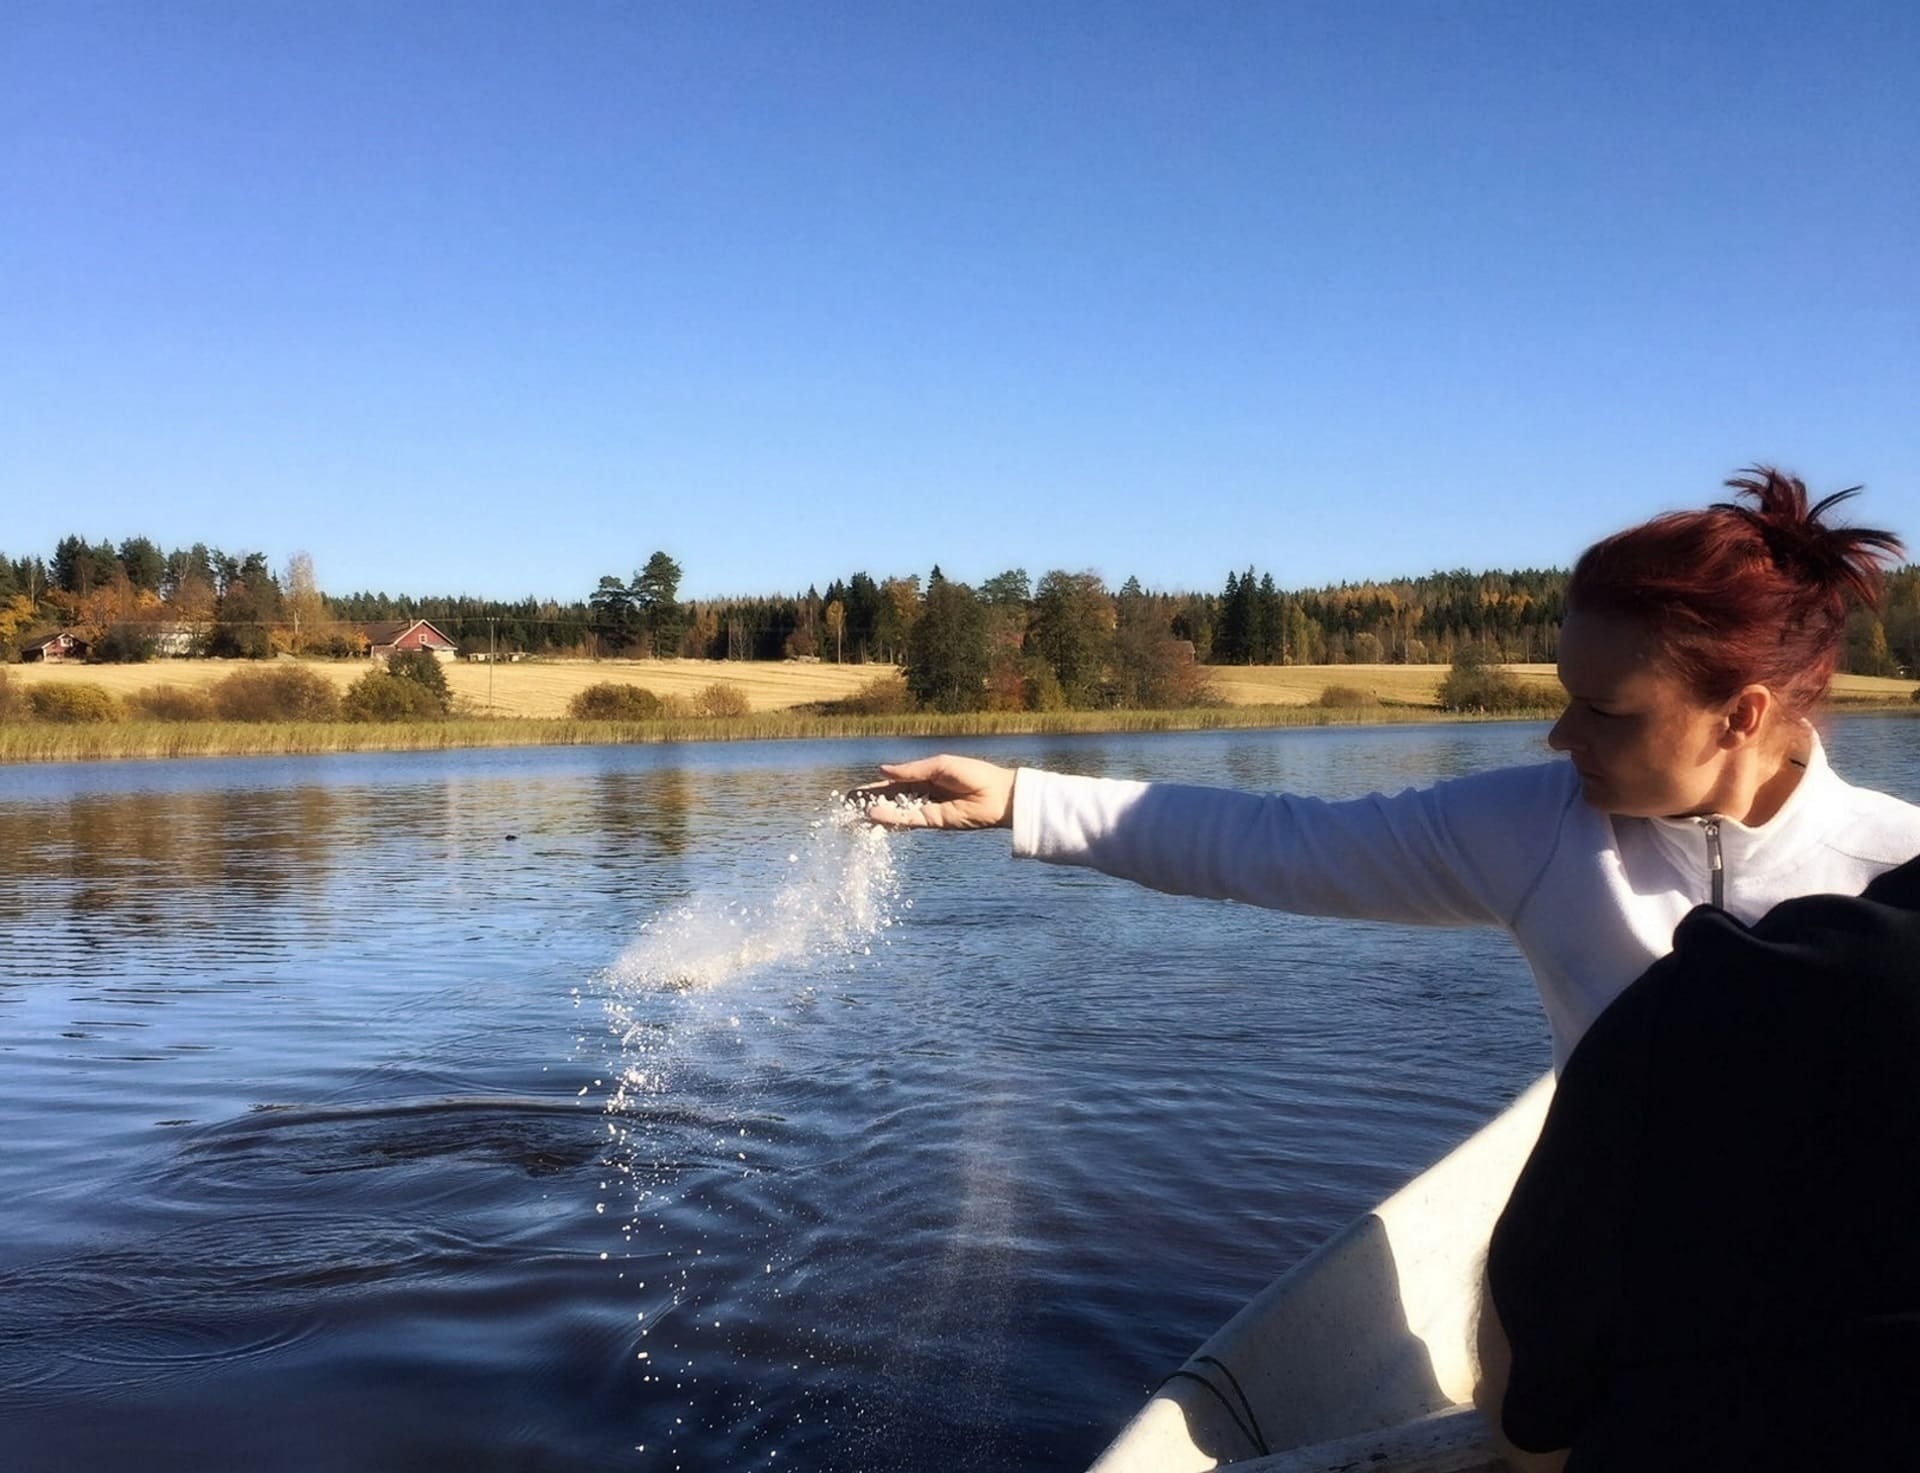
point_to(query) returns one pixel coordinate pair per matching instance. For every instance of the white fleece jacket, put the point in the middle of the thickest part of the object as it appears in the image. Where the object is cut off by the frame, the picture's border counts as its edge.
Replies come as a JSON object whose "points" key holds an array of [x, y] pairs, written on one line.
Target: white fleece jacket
{"points": [[1591, 899]]}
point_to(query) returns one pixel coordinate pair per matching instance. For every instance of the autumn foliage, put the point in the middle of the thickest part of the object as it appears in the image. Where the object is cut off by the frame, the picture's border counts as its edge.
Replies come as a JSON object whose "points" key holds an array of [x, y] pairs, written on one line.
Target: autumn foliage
{"points": [[73, 704], [276, 693]]}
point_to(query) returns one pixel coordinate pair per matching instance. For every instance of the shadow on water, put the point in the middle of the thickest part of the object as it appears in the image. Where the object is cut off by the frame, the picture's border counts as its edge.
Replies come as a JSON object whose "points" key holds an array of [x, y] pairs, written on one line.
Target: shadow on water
{"points": [[540, 1137]]}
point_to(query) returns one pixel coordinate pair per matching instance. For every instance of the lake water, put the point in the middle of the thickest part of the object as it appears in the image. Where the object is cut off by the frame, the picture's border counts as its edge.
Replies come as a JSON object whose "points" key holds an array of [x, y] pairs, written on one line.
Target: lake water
{"points": [[615, 1108]]}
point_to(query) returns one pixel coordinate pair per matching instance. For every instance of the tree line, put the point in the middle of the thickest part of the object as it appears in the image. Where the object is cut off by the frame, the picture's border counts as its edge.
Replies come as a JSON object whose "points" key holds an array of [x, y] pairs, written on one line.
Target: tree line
{"points": [[1066, 640]]}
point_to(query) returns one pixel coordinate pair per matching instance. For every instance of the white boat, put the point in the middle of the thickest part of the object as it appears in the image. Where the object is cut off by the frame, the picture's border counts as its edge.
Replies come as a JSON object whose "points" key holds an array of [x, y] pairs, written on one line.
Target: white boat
{"points": [[1362, 1355]]}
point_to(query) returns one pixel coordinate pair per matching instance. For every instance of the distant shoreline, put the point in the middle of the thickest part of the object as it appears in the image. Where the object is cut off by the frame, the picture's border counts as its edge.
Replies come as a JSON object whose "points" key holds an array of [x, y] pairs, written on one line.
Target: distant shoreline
{"points": [[31, 742]]}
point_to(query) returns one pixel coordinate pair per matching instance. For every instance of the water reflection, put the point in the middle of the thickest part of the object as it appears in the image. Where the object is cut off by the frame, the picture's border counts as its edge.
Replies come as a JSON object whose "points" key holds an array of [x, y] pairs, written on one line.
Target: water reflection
{"points": [[651, 808], [165, 872], [195, 882]]}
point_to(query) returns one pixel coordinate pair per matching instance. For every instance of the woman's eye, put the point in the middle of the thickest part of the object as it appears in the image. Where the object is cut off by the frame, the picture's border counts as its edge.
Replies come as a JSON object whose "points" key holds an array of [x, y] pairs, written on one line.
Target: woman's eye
{"points": [[1604, 715]]}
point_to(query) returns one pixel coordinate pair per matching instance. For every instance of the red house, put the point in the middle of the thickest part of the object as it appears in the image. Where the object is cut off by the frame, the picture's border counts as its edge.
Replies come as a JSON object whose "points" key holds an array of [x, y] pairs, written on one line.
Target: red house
{"points": [[66, 645], [392, 638]]}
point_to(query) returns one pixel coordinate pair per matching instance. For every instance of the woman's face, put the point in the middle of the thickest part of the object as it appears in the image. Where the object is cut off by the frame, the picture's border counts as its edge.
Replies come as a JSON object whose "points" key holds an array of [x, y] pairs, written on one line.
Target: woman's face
{"points": [[1642, 743]]}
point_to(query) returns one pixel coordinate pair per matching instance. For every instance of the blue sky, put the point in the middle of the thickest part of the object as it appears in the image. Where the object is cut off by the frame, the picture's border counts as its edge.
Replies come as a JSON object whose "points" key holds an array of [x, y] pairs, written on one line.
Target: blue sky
{"points": [[498, 298]]}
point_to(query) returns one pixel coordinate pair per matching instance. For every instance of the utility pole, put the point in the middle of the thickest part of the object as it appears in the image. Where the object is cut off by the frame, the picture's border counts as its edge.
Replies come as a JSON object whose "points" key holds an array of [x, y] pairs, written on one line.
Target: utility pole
{"points": [[492, 659]]}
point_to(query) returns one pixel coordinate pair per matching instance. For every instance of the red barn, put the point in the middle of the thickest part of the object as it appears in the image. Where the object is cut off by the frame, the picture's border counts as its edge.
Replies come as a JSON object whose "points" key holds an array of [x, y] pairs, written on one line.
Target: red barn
{"points": [[407, 634], [66, 645]]}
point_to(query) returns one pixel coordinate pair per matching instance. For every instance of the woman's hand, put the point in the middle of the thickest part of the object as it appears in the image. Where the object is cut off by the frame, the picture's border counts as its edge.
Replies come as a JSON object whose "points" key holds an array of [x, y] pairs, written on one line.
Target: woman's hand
{"points": [[940, 793]]}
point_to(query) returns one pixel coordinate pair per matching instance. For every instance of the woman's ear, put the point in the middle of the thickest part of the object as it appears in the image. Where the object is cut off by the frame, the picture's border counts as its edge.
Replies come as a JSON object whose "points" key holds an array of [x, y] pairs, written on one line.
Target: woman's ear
{"points": [[1746, 716]]}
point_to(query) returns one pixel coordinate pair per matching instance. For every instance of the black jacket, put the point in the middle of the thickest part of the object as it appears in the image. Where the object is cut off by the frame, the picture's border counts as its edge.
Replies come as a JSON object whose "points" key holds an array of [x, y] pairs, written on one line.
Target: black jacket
{"points": [[1712, 1258]]}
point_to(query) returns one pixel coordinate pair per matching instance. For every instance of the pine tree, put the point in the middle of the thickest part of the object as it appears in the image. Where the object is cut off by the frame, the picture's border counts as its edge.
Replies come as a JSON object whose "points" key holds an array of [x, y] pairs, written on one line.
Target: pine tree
{"points": [[1268, 614], [655, 591], [1230, 639], [616, 616]]}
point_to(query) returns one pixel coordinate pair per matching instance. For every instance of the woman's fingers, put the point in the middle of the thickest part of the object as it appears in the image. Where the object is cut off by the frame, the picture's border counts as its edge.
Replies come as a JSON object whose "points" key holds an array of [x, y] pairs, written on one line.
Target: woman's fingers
{"points": [[894, 805], [943, 792], [872, 793], [890, 815], [927, 778]]}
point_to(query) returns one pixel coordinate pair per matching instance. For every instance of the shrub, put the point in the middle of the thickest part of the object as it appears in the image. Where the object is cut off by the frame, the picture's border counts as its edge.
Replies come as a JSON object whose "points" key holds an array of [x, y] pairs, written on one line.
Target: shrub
{"points": [[279, 693], [423, 669], [172, 703], [382, 696], [1346, 698], [721, 699], [73, 703], [13, 699], [884, 695], [1475, 683], [614, 700]]}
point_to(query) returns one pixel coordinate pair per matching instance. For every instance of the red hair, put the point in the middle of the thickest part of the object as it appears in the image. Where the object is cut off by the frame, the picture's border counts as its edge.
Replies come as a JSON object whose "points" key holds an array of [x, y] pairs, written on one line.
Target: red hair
{"points": [[1742, 595]]}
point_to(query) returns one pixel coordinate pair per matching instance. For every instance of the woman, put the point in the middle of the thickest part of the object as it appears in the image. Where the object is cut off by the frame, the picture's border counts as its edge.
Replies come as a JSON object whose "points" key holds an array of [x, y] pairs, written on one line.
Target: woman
{"points": [[1694, 649]]}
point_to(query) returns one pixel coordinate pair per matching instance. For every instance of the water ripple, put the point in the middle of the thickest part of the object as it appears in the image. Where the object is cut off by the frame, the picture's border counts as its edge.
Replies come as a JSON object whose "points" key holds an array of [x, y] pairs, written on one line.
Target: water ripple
{"points": [[540, 1136]]}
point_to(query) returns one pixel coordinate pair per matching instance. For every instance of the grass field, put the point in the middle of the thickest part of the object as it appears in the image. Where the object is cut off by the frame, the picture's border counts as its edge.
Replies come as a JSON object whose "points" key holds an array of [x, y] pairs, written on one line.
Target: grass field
{"points": [[543, 688], [529, 703], [1419, 685], [539, 688], [1300, 685]]}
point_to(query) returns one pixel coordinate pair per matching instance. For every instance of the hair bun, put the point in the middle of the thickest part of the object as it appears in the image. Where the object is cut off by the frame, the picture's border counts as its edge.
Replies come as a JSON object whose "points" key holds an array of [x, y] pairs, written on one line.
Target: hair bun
{"points": [[1826, 559]]}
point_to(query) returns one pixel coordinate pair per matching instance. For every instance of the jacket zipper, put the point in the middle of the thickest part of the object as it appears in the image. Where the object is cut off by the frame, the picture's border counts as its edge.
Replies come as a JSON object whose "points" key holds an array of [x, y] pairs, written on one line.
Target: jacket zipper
{"points": [[1716, 866]]}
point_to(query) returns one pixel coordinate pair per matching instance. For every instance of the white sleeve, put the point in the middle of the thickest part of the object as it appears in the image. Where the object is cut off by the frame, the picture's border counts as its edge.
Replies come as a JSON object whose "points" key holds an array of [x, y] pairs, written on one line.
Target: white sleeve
{"points": [[1463, 852]]}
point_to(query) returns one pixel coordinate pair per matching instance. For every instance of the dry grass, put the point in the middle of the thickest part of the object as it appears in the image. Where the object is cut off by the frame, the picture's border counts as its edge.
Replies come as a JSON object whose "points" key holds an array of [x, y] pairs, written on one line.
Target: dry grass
{"points": [[543, 688], [1874, 688], [1419, 685], [1400, 685], [1258, 696], [539, 688]]}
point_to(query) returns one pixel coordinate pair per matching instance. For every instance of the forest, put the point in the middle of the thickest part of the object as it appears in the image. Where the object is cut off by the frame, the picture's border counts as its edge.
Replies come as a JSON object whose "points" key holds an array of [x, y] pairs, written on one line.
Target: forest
{"points": [[1065, 641]]}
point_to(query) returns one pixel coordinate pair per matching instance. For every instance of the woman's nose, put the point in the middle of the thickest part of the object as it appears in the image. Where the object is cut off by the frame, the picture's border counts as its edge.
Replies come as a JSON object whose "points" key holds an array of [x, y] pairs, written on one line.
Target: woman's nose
{"points": [[1560, 739]]}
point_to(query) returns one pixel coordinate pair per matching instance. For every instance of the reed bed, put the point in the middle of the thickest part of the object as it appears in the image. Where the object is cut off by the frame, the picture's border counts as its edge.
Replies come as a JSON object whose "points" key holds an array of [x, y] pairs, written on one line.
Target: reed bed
{"points": [[46, 742]]}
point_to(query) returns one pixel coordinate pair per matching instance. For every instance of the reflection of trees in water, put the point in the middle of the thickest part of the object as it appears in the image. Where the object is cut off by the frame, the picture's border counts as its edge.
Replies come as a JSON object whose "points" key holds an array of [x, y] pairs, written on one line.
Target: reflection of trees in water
{"points": [[654, 808], [217, 879], [167, 864]]}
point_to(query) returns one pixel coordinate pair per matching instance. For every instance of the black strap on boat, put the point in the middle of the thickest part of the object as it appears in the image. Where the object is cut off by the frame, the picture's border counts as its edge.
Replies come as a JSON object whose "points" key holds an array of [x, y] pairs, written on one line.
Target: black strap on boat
{"points": [[1249, 1425], [1259, 1438], [1221, 1396]]}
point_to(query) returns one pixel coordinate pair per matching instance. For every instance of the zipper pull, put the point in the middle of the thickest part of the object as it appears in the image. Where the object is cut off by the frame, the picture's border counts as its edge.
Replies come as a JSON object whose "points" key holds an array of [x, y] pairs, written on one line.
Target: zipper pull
{"points": [[1716, 866]]}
